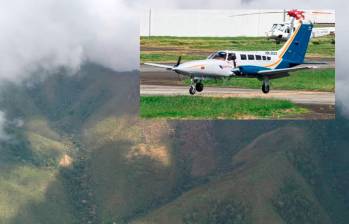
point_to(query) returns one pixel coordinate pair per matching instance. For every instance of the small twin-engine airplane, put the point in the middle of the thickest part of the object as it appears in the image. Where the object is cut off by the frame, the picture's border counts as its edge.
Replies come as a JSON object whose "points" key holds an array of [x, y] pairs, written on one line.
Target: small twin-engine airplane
{"points": [[263, 65]]}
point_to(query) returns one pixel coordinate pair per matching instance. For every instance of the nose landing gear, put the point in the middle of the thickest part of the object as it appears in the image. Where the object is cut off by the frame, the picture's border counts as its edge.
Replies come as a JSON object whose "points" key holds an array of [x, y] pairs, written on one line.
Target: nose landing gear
{"points": [[192, 90], [196, 85]]}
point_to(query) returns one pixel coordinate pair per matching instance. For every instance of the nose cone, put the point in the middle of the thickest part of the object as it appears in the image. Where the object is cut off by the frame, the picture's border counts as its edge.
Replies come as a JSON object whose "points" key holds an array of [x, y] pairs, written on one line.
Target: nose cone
{"points": [[181, 69], [188, 68]]}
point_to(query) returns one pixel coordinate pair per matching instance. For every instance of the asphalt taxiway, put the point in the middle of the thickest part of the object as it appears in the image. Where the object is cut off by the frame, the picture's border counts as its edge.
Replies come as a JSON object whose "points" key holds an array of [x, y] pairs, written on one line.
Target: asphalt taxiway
{"points": [[298, 97]]}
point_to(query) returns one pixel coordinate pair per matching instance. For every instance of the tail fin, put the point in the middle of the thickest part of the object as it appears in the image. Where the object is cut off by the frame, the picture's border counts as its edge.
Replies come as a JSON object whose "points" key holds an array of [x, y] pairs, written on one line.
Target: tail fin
{"points": [[293, 52]]}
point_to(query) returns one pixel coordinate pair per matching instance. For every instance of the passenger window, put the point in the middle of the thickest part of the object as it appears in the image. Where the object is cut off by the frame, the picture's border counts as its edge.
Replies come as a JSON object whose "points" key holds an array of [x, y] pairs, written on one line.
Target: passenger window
{"points": [[269, 58], [243, 57], [264, 58], [250, 57], [258, 57]]}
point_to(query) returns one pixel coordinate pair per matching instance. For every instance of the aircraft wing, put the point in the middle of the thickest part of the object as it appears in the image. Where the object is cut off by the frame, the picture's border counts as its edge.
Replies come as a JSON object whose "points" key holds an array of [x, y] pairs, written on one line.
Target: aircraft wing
{"points": [[278, 73], [168, 67]]}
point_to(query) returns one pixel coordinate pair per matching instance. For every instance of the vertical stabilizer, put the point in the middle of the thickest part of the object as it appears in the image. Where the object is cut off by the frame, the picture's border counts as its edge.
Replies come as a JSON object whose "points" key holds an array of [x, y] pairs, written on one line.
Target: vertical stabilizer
{"points": [[293, 52]]}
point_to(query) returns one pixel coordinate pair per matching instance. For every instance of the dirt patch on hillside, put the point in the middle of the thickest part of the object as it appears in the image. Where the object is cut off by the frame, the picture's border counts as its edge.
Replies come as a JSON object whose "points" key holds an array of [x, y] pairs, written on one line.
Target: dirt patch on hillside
{"points": [[65, 161]]}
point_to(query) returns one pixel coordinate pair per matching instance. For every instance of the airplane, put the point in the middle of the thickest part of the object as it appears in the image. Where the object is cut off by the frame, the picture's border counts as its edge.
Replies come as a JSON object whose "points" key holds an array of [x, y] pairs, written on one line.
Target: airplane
{"points": [[263, 65]]}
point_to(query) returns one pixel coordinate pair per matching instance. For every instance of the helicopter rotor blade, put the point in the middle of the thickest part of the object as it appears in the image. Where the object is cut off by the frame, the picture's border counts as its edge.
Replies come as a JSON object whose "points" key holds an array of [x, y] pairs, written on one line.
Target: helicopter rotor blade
{"points": [[280, 12], [256, 13]]}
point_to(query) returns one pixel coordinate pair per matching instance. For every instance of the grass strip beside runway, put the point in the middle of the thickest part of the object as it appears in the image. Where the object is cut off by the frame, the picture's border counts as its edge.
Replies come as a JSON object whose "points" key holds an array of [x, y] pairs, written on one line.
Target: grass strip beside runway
{"points": [[167, 49], [197, 107]]}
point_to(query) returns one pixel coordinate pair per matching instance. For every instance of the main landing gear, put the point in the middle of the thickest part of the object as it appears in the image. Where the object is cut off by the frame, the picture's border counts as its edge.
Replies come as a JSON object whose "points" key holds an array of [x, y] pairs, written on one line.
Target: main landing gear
{"points": [[265, 86], [196, 86]]}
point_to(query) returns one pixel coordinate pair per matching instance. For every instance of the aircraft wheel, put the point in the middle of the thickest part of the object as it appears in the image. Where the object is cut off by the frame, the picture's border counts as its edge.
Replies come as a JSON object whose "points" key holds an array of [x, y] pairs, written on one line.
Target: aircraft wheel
{"points": [[192, 90], [265, 88], [199, 86]]}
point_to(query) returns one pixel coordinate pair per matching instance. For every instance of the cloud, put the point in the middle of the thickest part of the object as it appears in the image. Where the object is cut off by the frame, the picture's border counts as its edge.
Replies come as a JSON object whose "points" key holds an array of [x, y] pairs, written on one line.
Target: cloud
{"points": [[48, 34]]}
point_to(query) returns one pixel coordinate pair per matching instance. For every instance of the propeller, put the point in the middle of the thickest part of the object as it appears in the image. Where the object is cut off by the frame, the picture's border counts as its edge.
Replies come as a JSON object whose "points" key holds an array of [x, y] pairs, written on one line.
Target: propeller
{"points": [[178, 61], [176, 65]]}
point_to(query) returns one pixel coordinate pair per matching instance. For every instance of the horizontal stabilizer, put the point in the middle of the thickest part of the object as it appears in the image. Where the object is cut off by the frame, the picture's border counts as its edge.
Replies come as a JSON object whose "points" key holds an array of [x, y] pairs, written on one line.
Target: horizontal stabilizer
{"points": [[277, 72], [315, 63]]}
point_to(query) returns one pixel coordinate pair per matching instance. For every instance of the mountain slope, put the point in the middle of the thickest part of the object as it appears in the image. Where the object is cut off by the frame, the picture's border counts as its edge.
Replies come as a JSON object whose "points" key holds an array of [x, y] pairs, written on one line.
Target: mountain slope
{"points": [[265, 183], [79, 154]]}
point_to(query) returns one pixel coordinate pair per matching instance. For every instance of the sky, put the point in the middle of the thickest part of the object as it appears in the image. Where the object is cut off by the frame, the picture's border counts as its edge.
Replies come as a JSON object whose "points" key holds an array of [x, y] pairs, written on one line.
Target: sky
{"points": [[47, 34]]}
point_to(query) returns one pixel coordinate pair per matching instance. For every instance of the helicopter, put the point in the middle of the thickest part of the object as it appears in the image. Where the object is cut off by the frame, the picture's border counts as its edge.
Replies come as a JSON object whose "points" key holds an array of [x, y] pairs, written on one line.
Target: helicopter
{"points": [[282, 31]]}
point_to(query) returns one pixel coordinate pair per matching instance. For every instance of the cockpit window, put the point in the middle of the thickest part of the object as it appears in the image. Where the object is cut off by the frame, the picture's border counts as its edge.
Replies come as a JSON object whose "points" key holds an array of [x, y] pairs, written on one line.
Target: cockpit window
{"points": [[218, 56], [231, 56]]}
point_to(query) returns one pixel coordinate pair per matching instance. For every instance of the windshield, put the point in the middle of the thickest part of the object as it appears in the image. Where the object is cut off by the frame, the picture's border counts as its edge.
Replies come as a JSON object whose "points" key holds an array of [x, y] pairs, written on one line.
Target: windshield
{"points": [[273, 27], [281, 27], [218, 56]]}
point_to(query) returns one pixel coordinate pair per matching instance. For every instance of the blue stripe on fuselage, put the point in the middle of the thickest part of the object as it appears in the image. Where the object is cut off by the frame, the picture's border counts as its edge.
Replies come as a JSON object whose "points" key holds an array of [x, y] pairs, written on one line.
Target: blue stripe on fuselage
{"points": [[286, 64], [251, 69]]}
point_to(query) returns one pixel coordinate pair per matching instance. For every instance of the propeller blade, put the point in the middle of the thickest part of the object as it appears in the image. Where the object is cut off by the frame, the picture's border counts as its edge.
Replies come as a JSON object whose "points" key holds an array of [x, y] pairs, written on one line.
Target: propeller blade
{"points": [[179, 61]]}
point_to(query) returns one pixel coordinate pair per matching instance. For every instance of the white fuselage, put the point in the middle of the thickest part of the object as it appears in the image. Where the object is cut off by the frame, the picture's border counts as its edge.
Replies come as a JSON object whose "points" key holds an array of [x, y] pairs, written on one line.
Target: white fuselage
{"points": [[223, 67]]}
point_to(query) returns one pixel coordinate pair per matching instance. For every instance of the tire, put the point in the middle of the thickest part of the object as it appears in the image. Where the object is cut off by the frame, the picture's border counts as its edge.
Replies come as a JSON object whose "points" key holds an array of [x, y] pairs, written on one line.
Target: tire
{"points": [[199, 86], [192, 90], [265, 89]]}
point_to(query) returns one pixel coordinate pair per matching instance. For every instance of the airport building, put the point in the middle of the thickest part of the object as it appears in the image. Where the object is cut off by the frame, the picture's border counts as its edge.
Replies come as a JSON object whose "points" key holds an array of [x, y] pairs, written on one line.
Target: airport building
{"points": [[166, 22]]}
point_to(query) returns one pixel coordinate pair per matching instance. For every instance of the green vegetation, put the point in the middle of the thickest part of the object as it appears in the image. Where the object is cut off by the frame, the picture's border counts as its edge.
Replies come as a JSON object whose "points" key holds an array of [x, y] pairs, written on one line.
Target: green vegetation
{"points": [[314, 80], [167, 49], [189, 107], [294, 206], [228, 211], [167, 57]]}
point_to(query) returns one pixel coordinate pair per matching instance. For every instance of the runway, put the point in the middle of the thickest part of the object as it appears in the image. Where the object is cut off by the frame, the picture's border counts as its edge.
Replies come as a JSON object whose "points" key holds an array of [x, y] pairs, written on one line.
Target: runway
{"points": [[298, 97]]}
